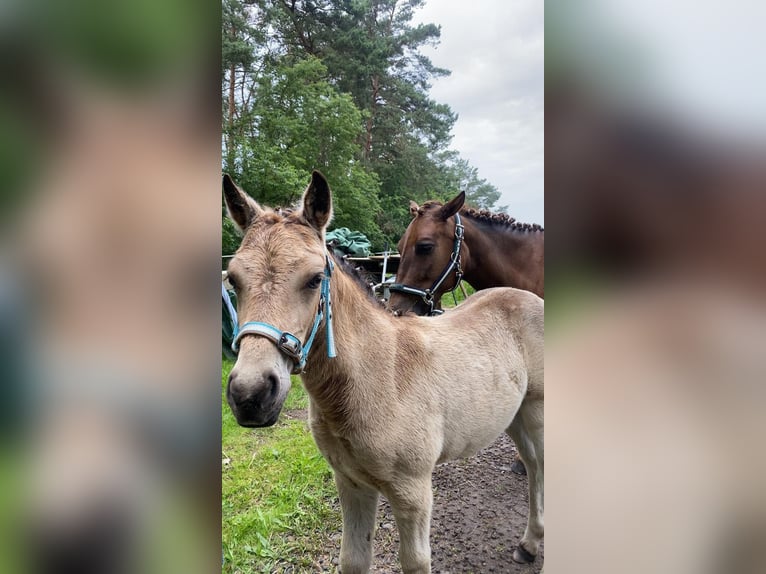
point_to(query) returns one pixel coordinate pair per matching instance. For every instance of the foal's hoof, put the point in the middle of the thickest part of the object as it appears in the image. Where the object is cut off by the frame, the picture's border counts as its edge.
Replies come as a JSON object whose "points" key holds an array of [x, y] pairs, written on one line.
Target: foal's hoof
{"points": [[518, 467], [521, 556]]}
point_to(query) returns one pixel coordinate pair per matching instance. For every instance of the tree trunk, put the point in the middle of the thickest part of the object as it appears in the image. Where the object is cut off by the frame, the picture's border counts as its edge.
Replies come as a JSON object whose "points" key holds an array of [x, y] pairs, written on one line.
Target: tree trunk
{"points": [[230, 135], [370, 120]]}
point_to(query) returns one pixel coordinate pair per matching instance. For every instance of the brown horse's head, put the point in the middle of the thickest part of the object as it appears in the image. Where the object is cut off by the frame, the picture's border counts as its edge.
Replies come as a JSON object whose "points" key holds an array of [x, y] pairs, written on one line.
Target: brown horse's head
{"points": [[425, 250], [277, 273]]}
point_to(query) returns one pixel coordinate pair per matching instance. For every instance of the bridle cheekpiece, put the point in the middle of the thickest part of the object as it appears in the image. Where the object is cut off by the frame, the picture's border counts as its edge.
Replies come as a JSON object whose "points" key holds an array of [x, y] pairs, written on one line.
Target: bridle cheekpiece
{"points": [[427, 295]]}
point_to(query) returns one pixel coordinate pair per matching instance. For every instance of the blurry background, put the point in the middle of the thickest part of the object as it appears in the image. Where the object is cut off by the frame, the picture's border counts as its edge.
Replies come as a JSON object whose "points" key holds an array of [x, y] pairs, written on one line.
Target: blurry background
{"points": [[110, 156], [655, 346]]}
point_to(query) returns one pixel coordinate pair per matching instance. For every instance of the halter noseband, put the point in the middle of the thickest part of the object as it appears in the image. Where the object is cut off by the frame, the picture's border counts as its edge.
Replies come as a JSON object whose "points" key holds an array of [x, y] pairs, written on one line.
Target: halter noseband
{"points": [[288, 343], [427, 295]]}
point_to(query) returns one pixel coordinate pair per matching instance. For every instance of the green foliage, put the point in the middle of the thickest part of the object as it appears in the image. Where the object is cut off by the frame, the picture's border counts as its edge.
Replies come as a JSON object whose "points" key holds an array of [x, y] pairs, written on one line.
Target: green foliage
{"points": [[340, 86], [278, 496], [298, 122], [464, 177], [230, 238]]}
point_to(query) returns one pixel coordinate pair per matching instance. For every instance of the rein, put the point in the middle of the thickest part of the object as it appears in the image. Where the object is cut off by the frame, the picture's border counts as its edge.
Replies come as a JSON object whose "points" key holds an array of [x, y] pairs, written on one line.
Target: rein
{"points": [[427, 295], [288, 343]]}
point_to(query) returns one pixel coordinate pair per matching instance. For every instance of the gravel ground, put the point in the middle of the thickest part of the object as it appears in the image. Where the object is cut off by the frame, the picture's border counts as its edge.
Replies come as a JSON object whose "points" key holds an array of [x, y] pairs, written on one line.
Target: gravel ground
{"points": [[479, 515]]}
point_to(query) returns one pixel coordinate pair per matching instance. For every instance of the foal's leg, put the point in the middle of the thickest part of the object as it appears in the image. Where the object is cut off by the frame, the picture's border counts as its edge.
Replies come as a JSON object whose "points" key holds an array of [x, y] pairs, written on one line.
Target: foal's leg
{"points": [[526, 430], [358, 504], [411, 501]]}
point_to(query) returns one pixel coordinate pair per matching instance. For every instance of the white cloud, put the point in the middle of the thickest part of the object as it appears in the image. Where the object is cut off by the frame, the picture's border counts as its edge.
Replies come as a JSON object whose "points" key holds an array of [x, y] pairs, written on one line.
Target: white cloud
{"points": [[495, 51]]}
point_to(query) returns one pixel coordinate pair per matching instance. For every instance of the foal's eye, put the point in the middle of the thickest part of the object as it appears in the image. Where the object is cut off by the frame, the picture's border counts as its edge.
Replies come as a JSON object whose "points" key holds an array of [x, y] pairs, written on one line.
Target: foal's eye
{"points": [[424, 248], [315, 281], [233, 282]]}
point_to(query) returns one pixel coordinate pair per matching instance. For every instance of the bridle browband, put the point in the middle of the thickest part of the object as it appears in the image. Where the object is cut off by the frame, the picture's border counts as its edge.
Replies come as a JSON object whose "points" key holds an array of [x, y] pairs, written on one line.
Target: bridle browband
{"points": [[427, 295], [288, 343]]}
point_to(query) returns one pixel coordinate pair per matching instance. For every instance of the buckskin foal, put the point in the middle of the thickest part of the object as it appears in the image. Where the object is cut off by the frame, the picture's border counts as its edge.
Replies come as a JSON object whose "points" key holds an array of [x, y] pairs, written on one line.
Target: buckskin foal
{"points": [[389, 397]]}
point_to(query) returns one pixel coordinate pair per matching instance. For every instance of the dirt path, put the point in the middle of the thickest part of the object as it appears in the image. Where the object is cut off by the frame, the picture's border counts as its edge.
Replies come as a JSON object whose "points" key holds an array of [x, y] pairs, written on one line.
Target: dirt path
{"points": [[479, 514]]}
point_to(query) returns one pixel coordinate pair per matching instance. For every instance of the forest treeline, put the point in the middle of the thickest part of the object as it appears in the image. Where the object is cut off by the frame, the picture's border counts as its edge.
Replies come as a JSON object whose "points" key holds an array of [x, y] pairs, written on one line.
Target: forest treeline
{"points": [[339, 86]]}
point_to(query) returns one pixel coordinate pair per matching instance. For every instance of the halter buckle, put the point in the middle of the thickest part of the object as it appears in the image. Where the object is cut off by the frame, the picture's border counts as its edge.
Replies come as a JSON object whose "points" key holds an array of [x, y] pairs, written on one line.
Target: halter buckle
{"points": [[290, 346]]}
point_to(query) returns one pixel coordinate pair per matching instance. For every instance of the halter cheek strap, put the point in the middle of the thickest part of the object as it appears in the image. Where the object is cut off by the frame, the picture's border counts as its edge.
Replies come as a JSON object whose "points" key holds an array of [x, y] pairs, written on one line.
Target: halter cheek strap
{"points": [[288, 343], [427, 295]]}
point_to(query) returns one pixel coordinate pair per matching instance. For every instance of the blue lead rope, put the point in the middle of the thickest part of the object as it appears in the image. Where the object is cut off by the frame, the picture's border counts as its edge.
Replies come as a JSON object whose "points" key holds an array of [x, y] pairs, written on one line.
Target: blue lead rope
{"points": [[286, 342], [330, 336], [230, 308]]}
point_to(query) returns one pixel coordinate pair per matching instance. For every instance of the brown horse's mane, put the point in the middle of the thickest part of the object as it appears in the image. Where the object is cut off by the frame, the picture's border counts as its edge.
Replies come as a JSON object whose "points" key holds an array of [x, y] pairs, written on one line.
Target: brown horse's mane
{"points": [[495, 219], [500, 219]]}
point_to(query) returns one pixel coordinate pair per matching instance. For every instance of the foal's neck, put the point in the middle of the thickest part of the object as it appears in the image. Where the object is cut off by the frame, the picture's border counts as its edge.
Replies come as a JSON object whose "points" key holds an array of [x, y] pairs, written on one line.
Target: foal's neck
{"points": [[503, 257], [360, 328]]}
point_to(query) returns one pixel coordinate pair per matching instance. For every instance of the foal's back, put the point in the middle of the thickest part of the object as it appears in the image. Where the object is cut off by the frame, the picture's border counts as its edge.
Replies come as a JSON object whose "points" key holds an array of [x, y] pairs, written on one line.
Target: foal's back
{"points": [[480, 362]]}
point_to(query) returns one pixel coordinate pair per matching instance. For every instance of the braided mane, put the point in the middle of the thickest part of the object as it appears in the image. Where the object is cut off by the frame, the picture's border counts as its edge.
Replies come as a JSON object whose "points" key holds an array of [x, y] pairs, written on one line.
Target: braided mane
{"points": [[503, 219], [496, 219]]}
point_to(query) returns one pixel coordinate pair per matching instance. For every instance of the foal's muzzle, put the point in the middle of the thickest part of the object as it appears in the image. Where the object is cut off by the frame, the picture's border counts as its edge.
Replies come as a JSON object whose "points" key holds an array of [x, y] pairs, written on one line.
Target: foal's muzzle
{"points": [[256, 401]]}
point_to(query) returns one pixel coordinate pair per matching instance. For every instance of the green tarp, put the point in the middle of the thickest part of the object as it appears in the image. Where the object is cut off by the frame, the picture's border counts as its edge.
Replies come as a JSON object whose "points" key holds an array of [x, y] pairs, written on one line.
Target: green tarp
{"points": [[349, 242]]}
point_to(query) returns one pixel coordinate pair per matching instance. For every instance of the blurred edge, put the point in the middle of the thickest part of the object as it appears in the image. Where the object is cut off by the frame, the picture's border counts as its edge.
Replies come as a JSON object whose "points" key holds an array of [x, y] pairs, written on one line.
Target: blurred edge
{"points": [[656, 346], [110, 153], [110, 156]]}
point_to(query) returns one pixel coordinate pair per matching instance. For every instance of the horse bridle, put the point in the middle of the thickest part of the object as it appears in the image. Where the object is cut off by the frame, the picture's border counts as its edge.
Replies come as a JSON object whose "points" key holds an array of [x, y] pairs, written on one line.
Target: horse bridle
{"points": [[288, 343], [427, 295]]}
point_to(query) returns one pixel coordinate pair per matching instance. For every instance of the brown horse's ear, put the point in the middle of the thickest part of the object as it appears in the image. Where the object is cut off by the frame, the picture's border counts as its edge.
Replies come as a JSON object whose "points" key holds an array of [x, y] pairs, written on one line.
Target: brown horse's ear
{"points": [[317, 202], [453, 206], [242, 208], [414, 208]]}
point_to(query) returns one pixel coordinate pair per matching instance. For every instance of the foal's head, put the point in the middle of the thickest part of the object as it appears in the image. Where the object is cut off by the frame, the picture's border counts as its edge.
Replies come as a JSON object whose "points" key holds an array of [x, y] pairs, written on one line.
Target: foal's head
{"points": [[425, 250], [277, 273]]}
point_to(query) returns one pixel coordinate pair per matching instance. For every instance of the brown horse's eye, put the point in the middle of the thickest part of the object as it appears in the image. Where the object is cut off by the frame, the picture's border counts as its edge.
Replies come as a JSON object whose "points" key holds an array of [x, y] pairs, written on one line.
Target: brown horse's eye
{"points": [[233, 282], [315, 281], [424, 248]]}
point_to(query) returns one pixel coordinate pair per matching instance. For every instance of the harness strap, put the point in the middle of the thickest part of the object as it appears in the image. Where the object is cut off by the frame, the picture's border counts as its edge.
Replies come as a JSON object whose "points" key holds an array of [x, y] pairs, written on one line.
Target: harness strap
{"points": [[288, 343], [329, 333], [427, 295], [406, 289]]}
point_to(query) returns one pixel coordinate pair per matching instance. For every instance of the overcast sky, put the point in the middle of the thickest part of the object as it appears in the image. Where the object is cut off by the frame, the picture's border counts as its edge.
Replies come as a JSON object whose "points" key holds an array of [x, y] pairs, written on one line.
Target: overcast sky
{"points": [[494, 49]]}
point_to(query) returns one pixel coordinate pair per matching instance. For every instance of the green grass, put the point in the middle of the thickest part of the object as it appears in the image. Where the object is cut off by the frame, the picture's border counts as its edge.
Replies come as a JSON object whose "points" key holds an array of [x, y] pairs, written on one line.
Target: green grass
{"points": [[278, 497], [449, 301]]}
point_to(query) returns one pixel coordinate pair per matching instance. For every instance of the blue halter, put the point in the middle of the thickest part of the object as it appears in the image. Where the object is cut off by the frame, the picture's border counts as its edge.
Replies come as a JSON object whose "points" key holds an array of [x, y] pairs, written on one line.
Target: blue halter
{"points": [[288, 343]]}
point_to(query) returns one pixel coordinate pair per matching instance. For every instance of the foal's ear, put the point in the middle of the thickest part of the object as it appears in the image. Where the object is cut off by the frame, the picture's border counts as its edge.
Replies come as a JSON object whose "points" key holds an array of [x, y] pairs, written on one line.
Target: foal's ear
{"points": [[453, 206], [414, 208], [242, 208], [317, 202]]}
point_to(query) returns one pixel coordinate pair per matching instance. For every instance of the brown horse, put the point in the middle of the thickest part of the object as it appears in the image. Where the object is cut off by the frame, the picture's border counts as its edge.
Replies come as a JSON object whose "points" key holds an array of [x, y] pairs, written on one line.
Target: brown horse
{"points": [[445, 243], [389, 397]]}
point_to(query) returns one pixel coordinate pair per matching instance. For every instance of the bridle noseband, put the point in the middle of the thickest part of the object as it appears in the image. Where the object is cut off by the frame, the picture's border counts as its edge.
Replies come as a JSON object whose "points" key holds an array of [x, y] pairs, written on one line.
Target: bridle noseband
{"points": [[288, 343], [427, 295]]}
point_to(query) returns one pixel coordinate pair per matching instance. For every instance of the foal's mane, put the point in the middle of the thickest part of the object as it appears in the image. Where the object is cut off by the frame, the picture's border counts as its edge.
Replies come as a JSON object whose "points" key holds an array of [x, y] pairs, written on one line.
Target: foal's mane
{"points": [[502, 220], [361, 282]]}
